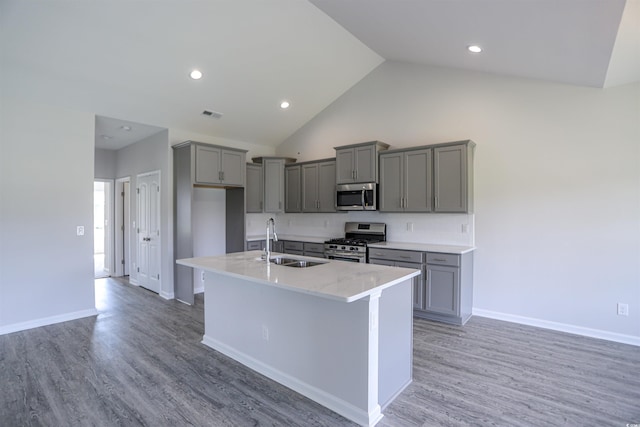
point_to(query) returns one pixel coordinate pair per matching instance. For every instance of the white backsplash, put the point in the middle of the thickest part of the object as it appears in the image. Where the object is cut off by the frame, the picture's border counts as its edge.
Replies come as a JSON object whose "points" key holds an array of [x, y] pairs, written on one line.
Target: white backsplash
{"points": [[444, 229]]}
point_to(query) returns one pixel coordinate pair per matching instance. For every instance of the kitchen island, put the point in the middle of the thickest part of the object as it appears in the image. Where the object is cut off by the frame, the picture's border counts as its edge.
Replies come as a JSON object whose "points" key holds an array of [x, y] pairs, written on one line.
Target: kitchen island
{"points": [[339, 333]]}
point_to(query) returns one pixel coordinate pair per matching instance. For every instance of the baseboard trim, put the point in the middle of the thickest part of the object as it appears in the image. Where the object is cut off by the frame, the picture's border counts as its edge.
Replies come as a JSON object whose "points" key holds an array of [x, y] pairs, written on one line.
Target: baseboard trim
{"points": [[167, 295], [556, 326], [340, 406], [45, 321]]}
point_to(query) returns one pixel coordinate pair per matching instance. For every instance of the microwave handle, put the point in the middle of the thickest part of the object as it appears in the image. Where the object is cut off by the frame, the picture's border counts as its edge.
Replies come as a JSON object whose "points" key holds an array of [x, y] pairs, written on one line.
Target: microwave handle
{"points": [[362, 198]]}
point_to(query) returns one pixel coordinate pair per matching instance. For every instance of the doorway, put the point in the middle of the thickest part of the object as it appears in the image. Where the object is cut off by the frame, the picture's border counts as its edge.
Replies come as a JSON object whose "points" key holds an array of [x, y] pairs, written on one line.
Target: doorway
{"points": [[102, 228], [122, 227]]}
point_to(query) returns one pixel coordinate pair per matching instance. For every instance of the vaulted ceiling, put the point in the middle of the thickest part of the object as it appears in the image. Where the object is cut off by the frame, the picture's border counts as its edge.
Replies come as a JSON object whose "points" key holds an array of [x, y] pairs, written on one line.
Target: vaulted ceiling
{"points": [[130, 60]]}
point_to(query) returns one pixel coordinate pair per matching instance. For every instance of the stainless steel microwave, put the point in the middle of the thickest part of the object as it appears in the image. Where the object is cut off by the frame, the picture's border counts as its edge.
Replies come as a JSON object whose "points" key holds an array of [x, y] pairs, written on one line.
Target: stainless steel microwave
{"points": [[356, 197]]}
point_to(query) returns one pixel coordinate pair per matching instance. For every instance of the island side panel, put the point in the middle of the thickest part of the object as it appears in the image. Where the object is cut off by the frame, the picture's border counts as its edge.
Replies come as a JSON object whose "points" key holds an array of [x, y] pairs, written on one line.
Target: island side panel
{"points": [[395, 341], [316, 346]]}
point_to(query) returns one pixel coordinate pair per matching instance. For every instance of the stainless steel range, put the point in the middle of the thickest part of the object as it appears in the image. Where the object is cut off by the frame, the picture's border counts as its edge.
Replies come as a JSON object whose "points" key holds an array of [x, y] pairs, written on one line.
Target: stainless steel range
{"points": [[353, 247]]}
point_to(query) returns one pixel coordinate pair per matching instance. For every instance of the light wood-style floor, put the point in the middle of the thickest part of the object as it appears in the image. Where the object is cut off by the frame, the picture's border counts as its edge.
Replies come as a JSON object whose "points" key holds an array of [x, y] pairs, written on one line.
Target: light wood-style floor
{"points": [[140, 362]]}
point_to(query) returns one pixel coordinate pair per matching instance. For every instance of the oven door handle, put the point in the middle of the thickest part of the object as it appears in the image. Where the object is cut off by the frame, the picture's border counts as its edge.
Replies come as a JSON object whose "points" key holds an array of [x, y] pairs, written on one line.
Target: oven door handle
{"points": [[362, 194]]}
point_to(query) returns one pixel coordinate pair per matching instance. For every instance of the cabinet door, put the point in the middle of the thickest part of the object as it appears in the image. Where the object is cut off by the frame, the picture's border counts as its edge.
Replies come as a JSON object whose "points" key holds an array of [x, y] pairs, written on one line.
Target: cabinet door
{"points": [[254, 188], [418, 284], [327, 187], [365, 164], [391, 188], [233, 167], [207, 165], [418, 183], [292, 199], [345, 166], [273, 185], [450, 178], [443, 288], [310, 195]]}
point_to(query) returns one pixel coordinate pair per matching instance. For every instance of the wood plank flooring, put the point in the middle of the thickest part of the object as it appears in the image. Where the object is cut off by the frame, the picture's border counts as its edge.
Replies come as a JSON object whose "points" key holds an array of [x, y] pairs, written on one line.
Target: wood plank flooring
{"points": [[140, 363]]}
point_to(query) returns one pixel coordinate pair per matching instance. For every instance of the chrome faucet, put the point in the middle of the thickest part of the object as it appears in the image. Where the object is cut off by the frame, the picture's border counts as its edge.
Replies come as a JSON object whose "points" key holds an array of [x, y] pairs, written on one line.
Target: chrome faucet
{"points": [[267, 246]]}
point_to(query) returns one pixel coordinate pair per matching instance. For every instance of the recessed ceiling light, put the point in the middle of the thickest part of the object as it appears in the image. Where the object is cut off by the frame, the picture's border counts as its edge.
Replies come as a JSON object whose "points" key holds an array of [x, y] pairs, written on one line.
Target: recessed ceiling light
{"points": [[284, 105], [474, 48], [126, 128], [196, 74]]}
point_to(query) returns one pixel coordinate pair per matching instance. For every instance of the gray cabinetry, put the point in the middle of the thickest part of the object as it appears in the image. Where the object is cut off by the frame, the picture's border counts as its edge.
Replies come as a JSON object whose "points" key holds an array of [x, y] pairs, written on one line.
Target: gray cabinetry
{"points": [[449, 288], [199, 164], [318, 186], [293, 188], [406, 181], [218, 165], [358, 162], [254, 188], [273, 185], [293, 247], [407, 259], [255, 245], [313, 249], [453, 177]]}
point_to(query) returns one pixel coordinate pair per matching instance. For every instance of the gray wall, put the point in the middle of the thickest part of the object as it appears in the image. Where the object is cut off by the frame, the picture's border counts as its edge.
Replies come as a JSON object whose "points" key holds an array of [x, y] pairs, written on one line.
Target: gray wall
{"points": [[105, 164], [557, 184], [46, 191], [150, 154]]}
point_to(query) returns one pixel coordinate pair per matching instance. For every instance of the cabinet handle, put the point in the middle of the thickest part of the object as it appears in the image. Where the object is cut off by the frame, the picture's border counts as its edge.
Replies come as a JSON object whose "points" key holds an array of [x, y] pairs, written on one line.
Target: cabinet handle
{"points": [[436, 201], [440, 259], [279, 205], [404, 257], [260, 205]]}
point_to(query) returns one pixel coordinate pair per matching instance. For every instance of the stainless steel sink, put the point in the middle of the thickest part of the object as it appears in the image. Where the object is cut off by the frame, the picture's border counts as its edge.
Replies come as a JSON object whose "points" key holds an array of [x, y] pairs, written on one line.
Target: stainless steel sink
{"points": [[292, 262]]}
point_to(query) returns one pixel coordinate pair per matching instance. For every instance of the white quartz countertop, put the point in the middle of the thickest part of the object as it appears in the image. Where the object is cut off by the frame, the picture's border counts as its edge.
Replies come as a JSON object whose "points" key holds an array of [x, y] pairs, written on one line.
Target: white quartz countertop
{"points": [[424, 247], [337, 280]]}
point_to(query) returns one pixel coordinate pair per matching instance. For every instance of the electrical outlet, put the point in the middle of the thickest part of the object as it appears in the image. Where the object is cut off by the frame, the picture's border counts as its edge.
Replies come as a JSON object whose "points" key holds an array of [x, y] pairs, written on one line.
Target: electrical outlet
{"points": [[465, 228], [202, 276], [409, 226], [623, 309], [80, 230], [265, 333]]}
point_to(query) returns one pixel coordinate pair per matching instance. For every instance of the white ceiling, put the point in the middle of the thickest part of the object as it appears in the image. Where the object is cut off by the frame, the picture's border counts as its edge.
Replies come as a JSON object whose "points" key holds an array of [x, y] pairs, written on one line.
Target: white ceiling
{"points": [[130, 60]]}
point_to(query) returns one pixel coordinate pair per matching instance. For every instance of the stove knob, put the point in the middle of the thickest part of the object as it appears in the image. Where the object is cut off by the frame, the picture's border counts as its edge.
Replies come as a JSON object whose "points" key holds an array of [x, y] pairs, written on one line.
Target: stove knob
{"points": [[353, 249], [343, 248]]}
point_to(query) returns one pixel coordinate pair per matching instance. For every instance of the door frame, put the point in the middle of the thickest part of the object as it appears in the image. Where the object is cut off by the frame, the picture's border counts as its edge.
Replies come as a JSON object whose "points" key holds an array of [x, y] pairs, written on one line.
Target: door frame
{"points": [[122, 226], [109, 231]]}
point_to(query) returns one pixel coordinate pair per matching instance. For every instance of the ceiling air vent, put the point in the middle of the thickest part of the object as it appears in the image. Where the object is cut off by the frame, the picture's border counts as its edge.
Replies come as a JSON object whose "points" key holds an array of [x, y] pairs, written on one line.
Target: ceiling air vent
{"points": [[212, 114]]}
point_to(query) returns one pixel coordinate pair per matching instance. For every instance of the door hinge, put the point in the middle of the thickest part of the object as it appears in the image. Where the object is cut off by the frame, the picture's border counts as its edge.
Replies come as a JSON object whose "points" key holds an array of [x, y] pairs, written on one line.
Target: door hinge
{"points": [[138, 230], [158, 277], [138, 190], [122, 194], [122, 262], [138, 269], [158, 189]]}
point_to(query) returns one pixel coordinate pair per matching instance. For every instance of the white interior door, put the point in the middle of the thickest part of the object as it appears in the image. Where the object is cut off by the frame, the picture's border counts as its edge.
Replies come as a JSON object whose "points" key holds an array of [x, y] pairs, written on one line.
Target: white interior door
{"points": [[148, 216]]}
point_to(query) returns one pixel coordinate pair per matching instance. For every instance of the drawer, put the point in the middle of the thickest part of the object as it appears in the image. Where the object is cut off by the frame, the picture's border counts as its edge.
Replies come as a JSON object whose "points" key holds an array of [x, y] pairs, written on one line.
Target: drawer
{"points": [[396, 255], [314, 247], [443, 259], [255, 245], [290, 245]]}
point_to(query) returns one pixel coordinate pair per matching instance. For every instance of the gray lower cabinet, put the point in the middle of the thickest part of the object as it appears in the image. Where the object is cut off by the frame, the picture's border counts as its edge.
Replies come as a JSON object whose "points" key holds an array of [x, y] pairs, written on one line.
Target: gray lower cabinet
{"points": [[449, 288], [444, 291], [254, 189], [313, 249], [406, 259], [293, 188], [255, 245], [293, 247]]}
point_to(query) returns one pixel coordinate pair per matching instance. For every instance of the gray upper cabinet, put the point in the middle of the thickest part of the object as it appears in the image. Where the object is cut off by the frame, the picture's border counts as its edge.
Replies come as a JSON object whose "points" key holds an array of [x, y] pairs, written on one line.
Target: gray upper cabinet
{"points": [[358, 162], [318, 186], [217, 165], [293, 188], [406, 181], [273, 185], [254, 189], [453, 177]]}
